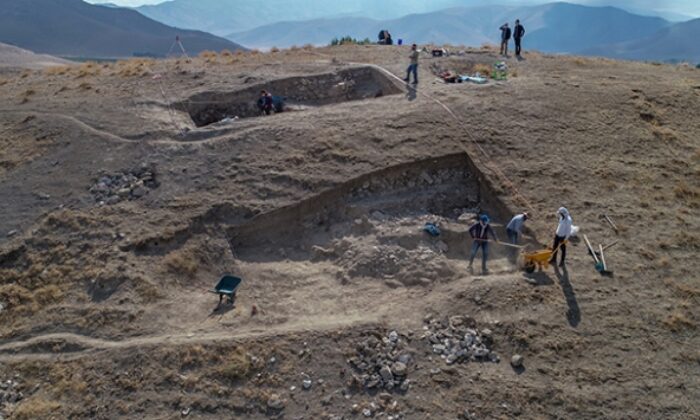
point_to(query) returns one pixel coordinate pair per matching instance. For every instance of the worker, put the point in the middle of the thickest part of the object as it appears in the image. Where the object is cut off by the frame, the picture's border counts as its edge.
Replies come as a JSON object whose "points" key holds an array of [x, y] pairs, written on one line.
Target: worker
{"points": [[413, 67], [480, 232], [265, 102], [518, 34], [514, 229], [561, 236], [505, 38]]}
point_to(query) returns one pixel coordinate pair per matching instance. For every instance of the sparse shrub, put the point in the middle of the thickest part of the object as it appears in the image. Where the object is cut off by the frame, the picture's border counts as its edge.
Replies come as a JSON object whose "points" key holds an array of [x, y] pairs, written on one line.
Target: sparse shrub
{"points": [[348, 40], [482, 69], [36, 408], [3, 82], [274, 50], [56, 71], [85, 86], [208, 54], [309, 47], [226, 53], [182, 262], [236, 366], [579, 61], [89, 68], [678, 321]]}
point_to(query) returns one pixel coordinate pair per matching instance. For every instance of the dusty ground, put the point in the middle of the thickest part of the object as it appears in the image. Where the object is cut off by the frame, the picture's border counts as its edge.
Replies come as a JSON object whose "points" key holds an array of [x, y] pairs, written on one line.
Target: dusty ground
{"points": [[105, 311]]}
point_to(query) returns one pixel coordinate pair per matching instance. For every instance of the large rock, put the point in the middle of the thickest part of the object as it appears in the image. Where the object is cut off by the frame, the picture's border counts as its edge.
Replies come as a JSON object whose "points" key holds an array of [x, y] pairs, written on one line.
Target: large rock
{"points": [[517, 361]]}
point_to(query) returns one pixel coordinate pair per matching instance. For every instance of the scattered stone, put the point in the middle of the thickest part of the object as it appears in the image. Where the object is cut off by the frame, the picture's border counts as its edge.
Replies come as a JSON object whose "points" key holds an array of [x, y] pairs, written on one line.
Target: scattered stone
{"points": [[275, 402], [185, 412], [43, 196], [306, 384], [11, 233], [517, 361], [126, 185], [399, 369], [375, 360], [367, 412], [456, 340]]}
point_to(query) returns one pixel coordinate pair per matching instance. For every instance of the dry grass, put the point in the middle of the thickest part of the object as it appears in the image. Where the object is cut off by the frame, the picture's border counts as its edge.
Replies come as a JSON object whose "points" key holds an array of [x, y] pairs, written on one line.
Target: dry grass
{"points": [[86, 69], [237, 366], [678, 321], [481, 68], [37, 408], [683, 290], [26, 95], [57, 71], [687, 193], [134, 67], [182, 262]]}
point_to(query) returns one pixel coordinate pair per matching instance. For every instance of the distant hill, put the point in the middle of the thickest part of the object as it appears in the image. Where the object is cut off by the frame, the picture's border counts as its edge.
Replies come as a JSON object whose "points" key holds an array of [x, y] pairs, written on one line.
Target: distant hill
{"points": [[678, 42], [15, 57], [73, 28], [227, 16], [554, 27]]}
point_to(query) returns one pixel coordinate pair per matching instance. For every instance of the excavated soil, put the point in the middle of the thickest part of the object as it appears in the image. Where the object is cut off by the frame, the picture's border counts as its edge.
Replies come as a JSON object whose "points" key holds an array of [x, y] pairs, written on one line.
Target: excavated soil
{"points": [[129, 188]]}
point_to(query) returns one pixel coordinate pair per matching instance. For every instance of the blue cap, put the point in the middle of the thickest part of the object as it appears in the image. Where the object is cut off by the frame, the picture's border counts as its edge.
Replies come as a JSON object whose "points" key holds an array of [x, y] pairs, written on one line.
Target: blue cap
{"points": [[484, 218]]}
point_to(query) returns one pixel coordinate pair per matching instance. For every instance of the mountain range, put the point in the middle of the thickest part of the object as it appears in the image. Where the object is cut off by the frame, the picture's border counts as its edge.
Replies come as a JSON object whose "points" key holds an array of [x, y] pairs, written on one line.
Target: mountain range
{"points": [[553, 27], [73, 28]]}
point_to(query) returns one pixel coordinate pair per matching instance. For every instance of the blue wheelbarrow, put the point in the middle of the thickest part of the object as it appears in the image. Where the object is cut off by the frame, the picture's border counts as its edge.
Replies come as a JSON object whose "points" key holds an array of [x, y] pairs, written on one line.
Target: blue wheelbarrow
{"points": [[227, 286]]}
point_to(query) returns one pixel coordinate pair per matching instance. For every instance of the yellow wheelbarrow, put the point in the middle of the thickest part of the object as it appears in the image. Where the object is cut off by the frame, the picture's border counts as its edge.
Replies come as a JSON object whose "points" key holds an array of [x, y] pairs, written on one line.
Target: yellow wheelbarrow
{"points": [[539, 258]]}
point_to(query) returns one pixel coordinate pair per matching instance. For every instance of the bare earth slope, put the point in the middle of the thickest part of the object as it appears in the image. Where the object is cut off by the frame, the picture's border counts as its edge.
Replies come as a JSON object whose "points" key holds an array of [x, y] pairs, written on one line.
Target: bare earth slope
{"points": [[119, 213], [12, 57]]}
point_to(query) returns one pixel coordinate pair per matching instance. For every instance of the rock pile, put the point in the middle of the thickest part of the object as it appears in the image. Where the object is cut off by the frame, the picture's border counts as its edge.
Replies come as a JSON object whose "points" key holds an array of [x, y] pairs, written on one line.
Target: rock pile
{"points": [[9, 393], [381, 362], [456, 340], [127, 185]]}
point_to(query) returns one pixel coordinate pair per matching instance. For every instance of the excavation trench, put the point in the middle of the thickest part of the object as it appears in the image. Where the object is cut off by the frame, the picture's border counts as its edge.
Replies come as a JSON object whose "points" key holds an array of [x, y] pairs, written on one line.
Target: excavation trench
{"points": [[301, 92], [372, 226]]}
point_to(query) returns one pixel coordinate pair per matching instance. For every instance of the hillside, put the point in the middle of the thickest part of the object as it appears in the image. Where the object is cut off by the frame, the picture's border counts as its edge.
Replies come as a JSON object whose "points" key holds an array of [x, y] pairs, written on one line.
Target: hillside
{"points": [[73, 28], [675, 43], [554, 27], [126, 198], [14, 57], [226, 16]]}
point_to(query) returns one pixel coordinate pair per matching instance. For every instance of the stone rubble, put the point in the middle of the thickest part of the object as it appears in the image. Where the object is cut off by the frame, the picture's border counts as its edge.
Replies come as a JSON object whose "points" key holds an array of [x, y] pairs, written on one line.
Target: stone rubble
{"points": [[456, 340], [127, 185], [9, 394], [382, 363]]}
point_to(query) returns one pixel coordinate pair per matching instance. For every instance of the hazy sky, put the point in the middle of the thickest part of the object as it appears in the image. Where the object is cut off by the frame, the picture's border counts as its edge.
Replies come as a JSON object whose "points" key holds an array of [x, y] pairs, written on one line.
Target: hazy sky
{"points": [[686, 7]]}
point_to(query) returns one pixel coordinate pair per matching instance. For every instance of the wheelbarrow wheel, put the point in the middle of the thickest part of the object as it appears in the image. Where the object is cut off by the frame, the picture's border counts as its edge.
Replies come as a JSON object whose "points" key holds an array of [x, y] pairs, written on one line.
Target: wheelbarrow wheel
{"points": [[530, 267]]}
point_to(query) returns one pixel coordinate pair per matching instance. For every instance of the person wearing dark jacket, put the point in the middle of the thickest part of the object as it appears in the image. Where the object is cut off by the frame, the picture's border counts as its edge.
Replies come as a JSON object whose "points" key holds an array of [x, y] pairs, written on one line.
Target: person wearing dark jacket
{"points": [[265, 102], [518, 34], [505, 38], [480, 233]]}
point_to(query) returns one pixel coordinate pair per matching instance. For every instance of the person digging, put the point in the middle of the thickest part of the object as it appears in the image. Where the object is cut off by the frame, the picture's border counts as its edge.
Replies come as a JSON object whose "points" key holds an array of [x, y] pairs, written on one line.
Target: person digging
{"points": [[561, 236], [480, 233]]}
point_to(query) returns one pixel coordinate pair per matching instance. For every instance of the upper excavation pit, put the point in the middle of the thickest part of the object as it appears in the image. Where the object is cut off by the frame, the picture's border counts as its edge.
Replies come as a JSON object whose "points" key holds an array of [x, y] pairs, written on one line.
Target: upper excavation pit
{"points": [[304, 91]]}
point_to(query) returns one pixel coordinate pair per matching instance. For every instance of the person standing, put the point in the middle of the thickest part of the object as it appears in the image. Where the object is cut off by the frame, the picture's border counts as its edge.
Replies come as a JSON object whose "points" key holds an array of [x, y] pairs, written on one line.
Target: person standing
{"points": [[514, 229], [480, 233], [413, 67], [265, 102], [561, 236], [518, 34], [505, 38]]}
